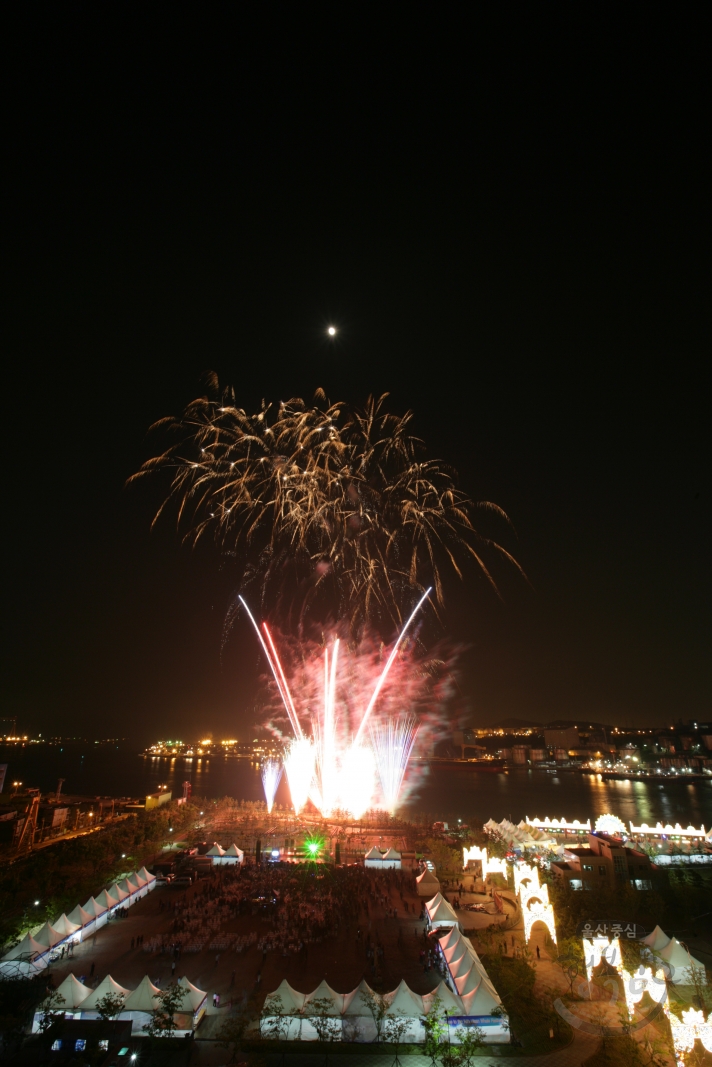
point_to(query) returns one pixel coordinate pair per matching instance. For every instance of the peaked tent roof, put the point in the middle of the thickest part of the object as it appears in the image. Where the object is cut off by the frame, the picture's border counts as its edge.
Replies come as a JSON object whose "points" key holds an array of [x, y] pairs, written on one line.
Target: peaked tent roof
{"points": [[357, 1002], [374, 854], [392, 855], [442, 911], [677, 956], [80, 917], [107, 898], [143, 996], [143, 873], [481, 1002], [450, 939], [194, 995], [125, 886], [233, 850], [118, 892], [48, 936], [73, 991], [428, 877], [290, 999], [324, 992], [216, 850], [28, 946], [107, 986], [63, 925], [448, 1001], [657, 939], [136, 881], [403, 1001], [94, 908]]}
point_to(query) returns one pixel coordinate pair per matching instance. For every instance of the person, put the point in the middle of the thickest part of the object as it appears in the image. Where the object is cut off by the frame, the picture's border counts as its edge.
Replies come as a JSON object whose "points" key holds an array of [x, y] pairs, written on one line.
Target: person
{"points": [[91, 969], [173, 968], [538, 954]]}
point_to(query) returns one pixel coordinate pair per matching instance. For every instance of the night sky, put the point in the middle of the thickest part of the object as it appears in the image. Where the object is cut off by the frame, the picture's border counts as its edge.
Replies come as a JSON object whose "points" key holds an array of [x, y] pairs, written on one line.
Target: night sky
{"points": [[507, 216]]}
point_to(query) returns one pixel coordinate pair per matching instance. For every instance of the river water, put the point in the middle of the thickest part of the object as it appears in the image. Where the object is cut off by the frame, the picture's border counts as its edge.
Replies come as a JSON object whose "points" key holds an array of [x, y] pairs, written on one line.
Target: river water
{"points": [[444, 791]]}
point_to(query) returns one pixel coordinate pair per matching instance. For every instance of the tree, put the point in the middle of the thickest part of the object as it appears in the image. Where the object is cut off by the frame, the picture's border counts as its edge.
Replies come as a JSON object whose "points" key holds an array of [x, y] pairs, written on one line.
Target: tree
{"points": [[435, 1031], [470, 1038], [162, 1022], [232, 1032], [110, 1005], [377, 1006], [571, 960], [327, 1025], [51, 1010], [395, 1027]]}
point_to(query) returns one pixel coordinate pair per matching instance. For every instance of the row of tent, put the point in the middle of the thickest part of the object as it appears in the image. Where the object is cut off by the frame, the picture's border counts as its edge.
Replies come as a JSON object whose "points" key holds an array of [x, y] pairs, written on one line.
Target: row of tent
{"points": [[363, 1016], [383, 860], [441, 912], [81, 1002], [36, 950], [225, 856], [521, 836], [470, 981], [681, 963]]}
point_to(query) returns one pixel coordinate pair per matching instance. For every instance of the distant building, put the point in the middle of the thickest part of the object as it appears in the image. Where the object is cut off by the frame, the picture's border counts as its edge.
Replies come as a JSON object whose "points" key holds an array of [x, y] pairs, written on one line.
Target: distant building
{"points": [[605, 861], [519, 753], [537, 755], [566, 738]]}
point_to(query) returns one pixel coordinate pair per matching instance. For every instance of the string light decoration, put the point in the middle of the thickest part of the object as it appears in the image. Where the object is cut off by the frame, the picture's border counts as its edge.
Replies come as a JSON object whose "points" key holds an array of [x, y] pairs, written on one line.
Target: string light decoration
{"points": [[533, 900], [693, 1027], [490, 865]]}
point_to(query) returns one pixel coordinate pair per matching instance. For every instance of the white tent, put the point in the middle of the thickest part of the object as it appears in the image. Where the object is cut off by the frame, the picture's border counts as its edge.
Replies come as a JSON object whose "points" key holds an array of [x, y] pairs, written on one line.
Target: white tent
{"points": [[99, 911], [656, 940], [119, 892], [446, 1000], [330, 1004], [124, 886], [48, 936], [233, 854], [427, 884], [285, 1001], [440, 913], [83, 919], [89, 1009], [392, 859], [108, 899], [143, 997], [29, 946], [216, 854], [194, 1001], [358, 1020], [374, 858], [405, 1004], [65, 926], [74, 994], [149, 879], [682, 964]]}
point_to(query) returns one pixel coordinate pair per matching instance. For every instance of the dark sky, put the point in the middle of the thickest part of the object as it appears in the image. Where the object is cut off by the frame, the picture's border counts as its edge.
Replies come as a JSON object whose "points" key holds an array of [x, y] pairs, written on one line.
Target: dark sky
{"points": [[507, 216]]}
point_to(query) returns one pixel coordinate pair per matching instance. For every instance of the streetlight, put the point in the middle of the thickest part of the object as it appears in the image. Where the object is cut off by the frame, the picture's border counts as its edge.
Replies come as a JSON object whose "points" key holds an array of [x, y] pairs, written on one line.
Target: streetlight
{"points": [[331, 331]]}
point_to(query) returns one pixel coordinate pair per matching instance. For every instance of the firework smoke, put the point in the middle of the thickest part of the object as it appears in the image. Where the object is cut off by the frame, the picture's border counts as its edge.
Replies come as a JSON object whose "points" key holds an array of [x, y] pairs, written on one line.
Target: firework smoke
{"points": [[271, 777], [322, 506]]}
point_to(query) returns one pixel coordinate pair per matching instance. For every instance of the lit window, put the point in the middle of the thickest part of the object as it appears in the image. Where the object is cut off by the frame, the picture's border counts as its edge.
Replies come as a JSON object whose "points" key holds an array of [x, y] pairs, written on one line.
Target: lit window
{"points": [[56, 1045], [104, 1044], [80, 1044], [124, 1050]]}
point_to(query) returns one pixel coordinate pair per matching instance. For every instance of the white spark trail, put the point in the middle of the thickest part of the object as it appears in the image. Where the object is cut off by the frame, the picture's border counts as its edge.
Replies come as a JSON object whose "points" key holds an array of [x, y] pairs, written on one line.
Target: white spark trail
{"points": [[271, 777], [392, 743]]}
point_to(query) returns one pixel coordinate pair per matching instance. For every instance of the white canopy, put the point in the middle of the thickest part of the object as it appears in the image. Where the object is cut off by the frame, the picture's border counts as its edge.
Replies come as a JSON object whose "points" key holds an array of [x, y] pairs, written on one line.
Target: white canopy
{"points": [[357, 1002], [216, 850], [124, 886], [136, 881], [391, 854], [107, 899], [65, 926], [289, 999], [107, 986], [194, 997], [233, 850], [403, 1001], [324, 992], [682, 963], [439, 911], [446, 999], [80, 917], [143, 996], [146, 875], [657, 939], [48, 936], [94, 908], [117, 891], [74, 993], [28, 946], [374, 854]]}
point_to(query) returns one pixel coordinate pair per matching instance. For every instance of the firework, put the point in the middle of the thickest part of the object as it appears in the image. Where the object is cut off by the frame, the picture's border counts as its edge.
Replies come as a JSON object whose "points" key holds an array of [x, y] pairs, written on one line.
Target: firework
{"points": [[299, 765], [392, 743], [271, 777], [322, 506], [333, 767]]}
